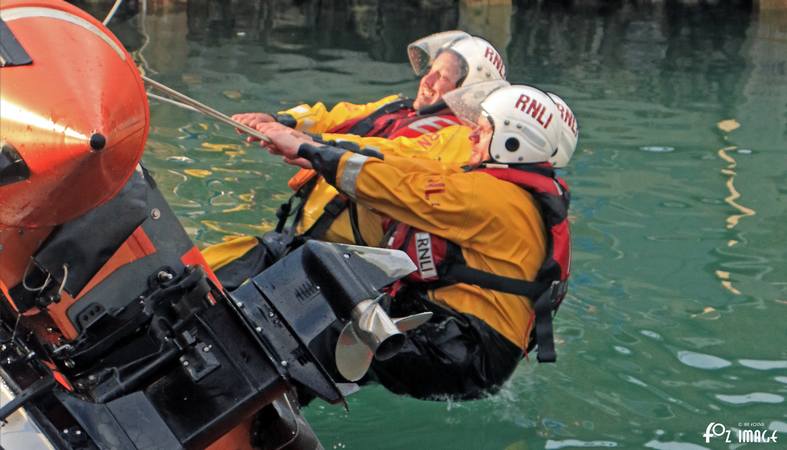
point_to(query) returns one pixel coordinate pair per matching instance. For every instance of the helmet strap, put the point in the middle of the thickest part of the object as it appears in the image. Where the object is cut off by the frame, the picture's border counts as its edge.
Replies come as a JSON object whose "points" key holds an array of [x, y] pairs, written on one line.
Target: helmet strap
{"points": [[431, 109]]}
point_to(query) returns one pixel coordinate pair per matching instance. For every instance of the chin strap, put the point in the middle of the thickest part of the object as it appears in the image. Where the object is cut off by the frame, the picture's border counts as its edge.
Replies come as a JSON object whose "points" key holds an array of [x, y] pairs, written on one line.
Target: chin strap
{"points": [[431, 109]]}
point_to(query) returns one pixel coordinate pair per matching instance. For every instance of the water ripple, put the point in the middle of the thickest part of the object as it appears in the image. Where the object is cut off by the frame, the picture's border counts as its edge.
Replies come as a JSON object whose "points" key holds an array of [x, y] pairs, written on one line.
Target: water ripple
{"points": [[658, 445], [651, 334], [552, 445], [754, 397], [622, 350], [761, 364], [657, 149], [778, 426], [702, 361]]}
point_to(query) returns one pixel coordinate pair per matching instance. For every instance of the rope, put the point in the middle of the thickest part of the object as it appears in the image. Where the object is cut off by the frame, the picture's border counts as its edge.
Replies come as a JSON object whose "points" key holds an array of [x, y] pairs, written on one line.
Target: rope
{"points": [[112, 11]]}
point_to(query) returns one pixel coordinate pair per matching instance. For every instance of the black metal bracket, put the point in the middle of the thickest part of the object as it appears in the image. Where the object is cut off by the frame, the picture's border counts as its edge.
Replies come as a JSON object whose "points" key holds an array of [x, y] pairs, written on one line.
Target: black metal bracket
{"points": [[12, 167], [11, 51]]}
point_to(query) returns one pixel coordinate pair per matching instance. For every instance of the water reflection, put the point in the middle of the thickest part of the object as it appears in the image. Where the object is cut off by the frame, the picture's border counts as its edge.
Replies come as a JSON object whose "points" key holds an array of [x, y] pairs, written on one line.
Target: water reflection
{"points": [[732, 221], [763, 364], [574, 443], [754, 397], [674, 445], [702, 361]]}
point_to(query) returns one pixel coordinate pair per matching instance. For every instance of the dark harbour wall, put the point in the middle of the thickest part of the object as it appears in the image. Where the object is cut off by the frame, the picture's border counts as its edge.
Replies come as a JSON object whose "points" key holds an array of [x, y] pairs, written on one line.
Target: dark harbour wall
{"points": [[666, 52], [386, 27]]}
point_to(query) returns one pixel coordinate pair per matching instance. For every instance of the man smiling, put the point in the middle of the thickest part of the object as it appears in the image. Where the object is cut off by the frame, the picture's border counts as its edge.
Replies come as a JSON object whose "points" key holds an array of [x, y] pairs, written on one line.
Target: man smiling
{"points": [[423, 128]]}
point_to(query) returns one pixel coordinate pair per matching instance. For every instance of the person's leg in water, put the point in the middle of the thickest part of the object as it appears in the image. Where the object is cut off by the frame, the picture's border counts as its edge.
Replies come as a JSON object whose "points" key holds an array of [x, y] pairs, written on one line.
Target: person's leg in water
{"points": [[454, 355]]}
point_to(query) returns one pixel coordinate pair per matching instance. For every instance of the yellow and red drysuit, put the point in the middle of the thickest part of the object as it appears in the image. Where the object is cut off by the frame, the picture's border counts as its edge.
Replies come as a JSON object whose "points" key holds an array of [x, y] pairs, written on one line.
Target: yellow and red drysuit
{"points": [[388, 125], [478, 335], [449, 145]]}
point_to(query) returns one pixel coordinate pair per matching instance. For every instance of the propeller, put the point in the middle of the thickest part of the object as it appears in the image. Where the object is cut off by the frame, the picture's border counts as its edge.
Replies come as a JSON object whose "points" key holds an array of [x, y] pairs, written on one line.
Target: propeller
{"points": [[372, 333]]}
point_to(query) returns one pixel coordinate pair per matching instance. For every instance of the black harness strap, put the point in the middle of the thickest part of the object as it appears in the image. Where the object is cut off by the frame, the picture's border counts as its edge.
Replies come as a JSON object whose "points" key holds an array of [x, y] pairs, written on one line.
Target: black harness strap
{"points": [[384, 242], [543, 329], [331, 211], [461, 273], [283, 213], [355, 225], [285, 209], [364, 126]]}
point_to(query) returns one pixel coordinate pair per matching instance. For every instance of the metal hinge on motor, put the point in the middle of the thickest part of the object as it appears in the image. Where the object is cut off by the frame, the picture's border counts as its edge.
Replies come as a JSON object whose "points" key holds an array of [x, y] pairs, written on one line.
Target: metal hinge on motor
{"points": [[12, 167]]}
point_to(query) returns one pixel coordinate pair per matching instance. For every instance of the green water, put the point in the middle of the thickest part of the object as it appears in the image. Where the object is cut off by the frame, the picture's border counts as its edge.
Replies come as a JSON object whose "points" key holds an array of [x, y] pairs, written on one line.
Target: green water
{"points": [[675, 316]]}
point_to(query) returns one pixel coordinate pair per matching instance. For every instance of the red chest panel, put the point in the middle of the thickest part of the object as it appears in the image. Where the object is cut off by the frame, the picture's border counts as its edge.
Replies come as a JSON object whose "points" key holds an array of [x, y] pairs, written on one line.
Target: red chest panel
{"points": [[395, 120]]}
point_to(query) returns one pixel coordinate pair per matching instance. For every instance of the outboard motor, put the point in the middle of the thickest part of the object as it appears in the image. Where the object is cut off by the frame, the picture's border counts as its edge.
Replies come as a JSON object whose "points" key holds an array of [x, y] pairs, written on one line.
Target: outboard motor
{"points": [[114, 333]]}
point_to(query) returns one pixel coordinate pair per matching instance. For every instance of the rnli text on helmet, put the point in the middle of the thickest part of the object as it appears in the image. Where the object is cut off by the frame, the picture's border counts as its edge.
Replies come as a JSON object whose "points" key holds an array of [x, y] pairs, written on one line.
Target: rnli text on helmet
{"points": [[496, 60], [534, 108], [568, 118]]}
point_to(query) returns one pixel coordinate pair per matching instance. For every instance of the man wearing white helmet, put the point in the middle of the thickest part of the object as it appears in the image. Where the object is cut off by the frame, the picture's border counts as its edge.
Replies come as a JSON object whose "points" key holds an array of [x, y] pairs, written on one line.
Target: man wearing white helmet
{"points": [[444, 61], [423, 127], [568, 134], [491, 243]]}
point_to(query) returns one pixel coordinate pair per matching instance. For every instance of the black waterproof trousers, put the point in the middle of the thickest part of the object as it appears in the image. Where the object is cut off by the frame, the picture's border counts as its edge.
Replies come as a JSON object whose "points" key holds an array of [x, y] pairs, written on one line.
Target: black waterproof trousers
{"points": [[454, 355]]}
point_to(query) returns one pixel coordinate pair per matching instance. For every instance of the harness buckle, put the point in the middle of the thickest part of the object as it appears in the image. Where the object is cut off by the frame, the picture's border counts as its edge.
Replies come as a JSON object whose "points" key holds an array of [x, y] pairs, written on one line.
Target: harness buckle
{"points": [[558, 290]]}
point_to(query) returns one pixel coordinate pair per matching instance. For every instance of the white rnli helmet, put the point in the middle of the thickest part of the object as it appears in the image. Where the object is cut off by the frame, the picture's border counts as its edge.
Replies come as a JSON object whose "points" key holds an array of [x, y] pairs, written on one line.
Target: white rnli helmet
{"points": [[568, 134], [526, 125], [482, 62]]}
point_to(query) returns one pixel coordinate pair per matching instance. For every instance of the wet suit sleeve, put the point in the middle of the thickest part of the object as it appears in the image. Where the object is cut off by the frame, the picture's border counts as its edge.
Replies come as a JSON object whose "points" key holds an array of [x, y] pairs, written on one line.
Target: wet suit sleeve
{"points": [[449, 145], [422, 193], [318, 119], [325, 159]]}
